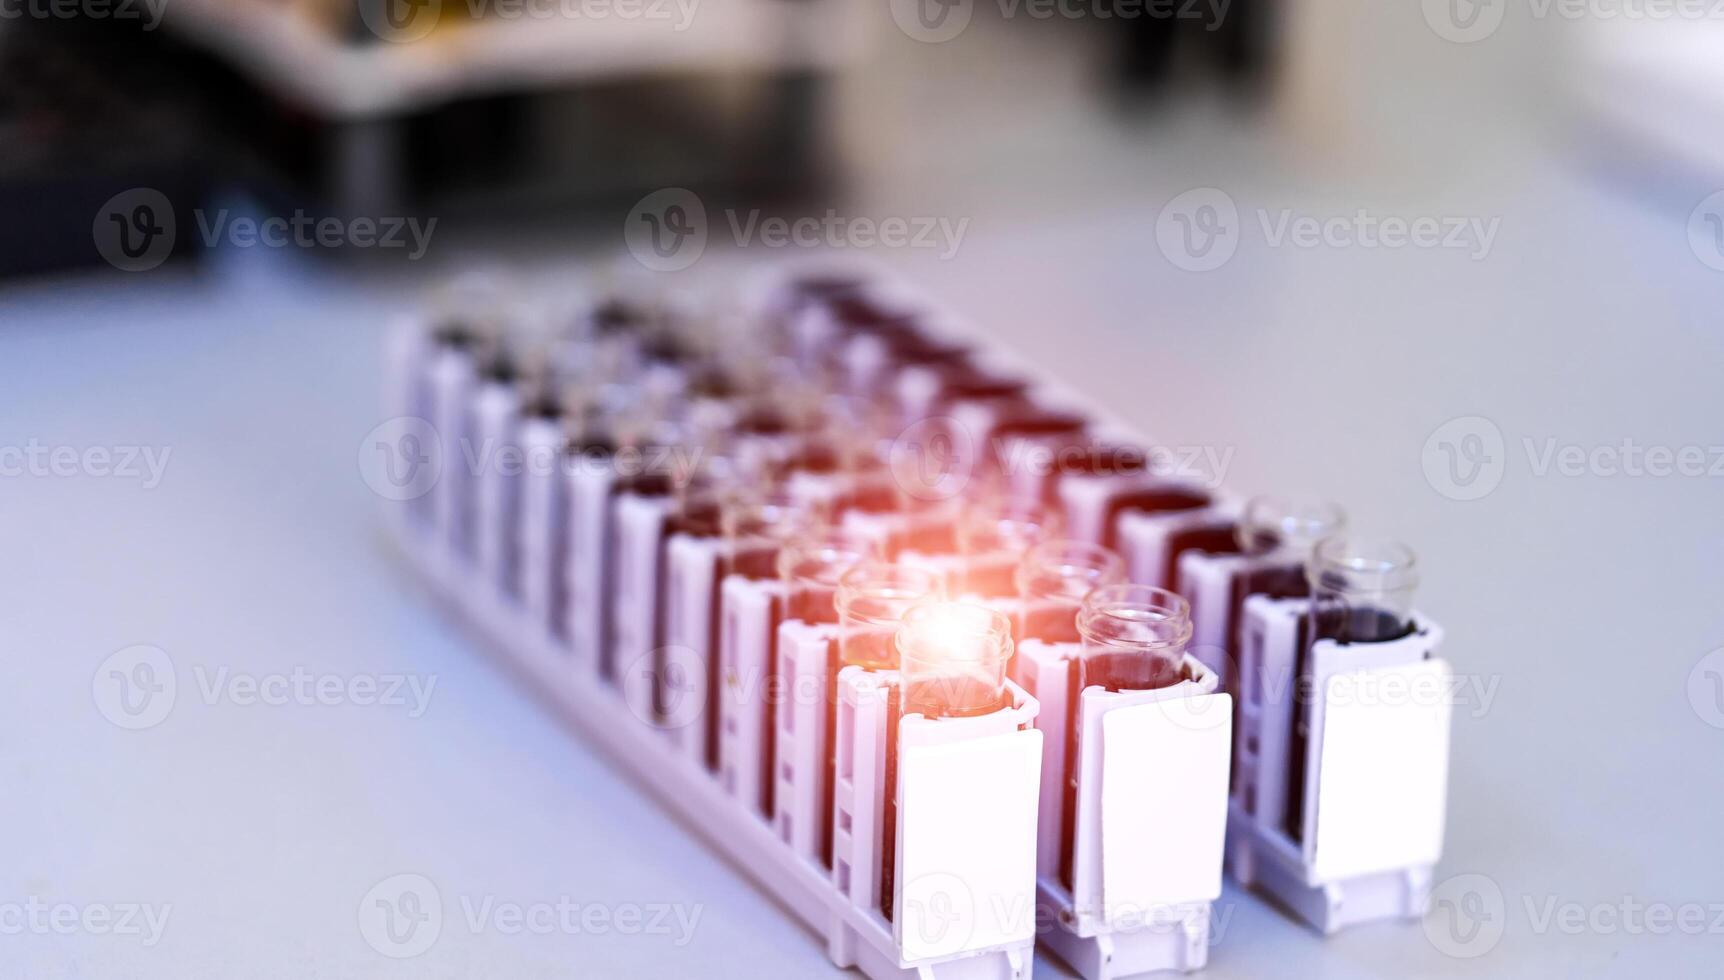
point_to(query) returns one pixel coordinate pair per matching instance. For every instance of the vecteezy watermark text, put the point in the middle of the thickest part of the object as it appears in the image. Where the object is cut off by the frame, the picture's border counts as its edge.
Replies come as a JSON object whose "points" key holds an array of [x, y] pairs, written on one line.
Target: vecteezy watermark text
{"points": [[127, 919], [1469, 915], [34, 459], [668, 230], [1467, 21], [148, 11], [1201, 229], [137, 687], [1466, 458], [136, 230], [937, 21], [402, 916], [404, 458]]}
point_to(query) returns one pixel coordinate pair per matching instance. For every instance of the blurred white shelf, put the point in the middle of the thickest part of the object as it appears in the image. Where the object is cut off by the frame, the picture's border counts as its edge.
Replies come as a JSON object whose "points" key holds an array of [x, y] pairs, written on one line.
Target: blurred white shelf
{"points": [[290, 52]]}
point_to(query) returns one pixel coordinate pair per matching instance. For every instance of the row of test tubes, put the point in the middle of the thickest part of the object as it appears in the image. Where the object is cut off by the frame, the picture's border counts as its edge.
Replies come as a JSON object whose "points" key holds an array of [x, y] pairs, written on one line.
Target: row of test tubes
{"points": [[878, 591]]}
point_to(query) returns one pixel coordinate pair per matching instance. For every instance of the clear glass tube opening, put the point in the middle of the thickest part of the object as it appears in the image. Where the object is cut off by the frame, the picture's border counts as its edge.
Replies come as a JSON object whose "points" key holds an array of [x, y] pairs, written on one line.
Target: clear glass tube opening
{"points": [[1288, 525], [872, 600], [1134, 638], [1052, 581], [1362, 589], [952, 659], [993, 539], [810, 566]]}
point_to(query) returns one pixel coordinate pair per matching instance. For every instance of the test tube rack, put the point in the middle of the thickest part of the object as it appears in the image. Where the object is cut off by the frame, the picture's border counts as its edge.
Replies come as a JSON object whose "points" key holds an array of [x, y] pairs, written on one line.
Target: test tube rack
{"points": [[966, 893]]}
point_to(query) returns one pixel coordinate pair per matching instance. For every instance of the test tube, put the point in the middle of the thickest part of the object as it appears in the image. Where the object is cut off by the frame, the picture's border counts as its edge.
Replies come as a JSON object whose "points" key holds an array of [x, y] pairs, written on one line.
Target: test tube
{"points": [[952, 659], [757, 523], [810, 567], [993, 537], [1134, 638], [1052, 581], [1362, 589], [1361, 592], [1289, 525], [872, 600]]}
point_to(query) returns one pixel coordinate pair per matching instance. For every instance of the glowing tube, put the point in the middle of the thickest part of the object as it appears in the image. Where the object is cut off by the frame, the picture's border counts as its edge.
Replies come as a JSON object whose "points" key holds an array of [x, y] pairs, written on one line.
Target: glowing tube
{"points": [[952, 659]]}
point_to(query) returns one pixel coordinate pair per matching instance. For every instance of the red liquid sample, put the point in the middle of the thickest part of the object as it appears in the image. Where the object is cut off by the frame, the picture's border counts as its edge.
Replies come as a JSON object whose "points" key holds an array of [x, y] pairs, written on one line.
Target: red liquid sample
{"points": [[889, 806], [1218, 538], [990, 576], [1050, 622], [1115, 672], [952, 696], [1345, 625]]}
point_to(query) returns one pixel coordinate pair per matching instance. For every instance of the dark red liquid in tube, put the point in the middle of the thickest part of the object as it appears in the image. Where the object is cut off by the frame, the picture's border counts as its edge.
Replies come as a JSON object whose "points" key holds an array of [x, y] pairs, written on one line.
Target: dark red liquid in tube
{"points": [[1345, 625]]}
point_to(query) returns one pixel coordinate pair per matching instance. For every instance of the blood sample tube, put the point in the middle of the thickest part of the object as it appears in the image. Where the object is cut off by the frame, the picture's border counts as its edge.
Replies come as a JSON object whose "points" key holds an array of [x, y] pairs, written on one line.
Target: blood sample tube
{"points": [[1052, 581], [952, 659], [994, 535], [1361, 592], [1133, 638], [810, 567], [872, 599]]}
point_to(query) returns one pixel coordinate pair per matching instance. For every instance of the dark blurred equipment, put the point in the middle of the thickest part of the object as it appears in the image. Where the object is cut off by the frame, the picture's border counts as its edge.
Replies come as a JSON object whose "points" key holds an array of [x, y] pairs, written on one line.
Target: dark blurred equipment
{"points": [[1234, 39], [77, 129], [497, 109]]}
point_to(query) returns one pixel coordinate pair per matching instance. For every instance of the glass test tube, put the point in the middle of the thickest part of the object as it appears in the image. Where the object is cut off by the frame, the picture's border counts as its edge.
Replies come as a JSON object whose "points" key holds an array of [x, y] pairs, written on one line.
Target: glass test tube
{"points": [[1362, 589], [993, 538], [810, 567], [872, 600], [1134, 638], [952, 659], [1052, 581]]}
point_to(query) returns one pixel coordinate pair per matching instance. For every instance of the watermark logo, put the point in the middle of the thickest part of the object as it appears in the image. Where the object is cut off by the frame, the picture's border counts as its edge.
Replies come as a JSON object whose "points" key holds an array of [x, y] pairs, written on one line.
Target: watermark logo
{"points": [[143, 920], [148, 11], [145, 464], [666, 230], [1198, 231], [933, 459], [401, 459], [1464, 458], [1706, 231], [1464, 21], [940, 911], [134, 230], [401, 916], [136, 687], [666, 687], [400, 21], [1706, 688], [932, 21], [1467, 916]]}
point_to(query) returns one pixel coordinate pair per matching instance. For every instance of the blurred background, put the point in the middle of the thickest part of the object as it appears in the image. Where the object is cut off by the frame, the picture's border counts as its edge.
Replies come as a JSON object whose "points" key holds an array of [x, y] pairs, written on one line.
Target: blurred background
{"points": [[1334, 239]]}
